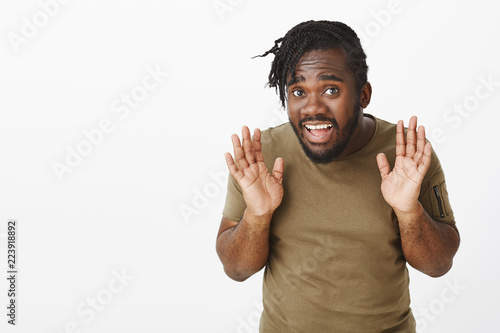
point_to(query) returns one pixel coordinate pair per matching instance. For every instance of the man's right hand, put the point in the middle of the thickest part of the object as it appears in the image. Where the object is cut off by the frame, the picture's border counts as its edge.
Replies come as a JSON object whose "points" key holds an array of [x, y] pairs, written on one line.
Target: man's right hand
{"points": [[262, 191]]}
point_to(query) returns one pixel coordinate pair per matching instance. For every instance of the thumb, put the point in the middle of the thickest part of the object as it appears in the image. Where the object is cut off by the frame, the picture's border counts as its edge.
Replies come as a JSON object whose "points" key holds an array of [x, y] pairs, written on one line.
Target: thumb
{"points": [[278, 168], [383, 165]]}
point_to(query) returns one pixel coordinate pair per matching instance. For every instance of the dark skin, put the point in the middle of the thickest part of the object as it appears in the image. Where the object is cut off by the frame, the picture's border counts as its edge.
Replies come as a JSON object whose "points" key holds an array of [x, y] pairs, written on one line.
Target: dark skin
{"points": [[323, 88]]}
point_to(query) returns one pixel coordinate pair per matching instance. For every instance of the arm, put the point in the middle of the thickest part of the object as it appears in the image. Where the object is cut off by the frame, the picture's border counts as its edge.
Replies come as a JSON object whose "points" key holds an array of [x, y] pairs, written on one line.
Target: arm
{"points": [[243, 247], [428, 245]]}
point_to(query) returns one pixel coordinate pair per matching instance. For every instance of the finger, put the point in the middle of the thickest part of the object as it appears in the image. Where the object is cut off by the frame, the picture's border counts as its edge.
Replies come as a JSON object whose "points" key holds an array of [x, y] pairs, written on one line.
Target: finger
{"points": [[233, 169], [420, 144], [421, 139], [411, 137], [278, 168], [247, 145], [257, 146], [383, 165], [400, 139], [239, 154], [426, 159]]}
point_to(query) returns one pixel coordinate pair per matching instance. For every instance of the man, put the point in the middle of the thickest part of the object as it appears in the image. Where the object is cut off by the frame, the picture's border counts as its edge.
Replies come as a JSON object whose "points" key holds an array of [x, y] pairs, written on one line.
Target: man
{"points": [[336, 202]]}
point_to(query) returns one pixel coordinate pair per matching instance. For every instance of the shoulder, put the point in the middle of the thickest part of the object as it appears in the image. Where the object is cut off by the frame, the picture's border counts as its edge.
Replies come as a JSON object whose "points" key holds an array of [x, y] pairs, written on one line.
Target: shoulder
{"points": [[384, 127], [385, 131], [277, 133], [383, 140], [279, 141], [277, 138]]}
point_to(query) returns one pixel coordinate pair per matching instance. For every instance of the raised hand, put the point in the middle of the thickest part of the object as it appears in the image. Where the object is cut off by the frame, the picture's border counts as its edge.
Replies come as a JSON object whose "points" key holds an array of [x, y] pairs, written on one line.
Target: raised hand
{"points": [[262, 191], [401, 186]]}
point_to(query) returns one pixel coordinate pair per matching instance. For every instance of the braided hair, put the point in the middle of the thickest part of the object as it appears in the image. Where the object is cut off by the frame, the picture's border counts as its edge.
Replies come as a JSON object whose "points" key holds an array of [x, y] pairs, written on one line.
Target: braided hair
{"points": [[315, 35]]}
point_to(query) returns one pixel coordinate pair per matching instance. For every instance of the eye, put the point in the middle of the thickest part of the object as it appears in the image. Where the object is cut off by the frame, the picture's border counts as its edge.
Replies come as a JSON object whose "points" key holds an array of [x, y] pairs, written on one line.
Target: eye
{"points": [[298, 93], [331, 91]]}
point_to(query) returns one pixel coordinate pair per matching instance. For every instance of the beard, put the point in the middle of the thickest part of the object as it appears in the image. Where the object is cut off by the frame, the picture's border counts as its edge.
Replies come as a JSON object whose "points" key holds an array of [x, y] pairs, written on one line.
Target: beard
{"points": [[324, 155]]}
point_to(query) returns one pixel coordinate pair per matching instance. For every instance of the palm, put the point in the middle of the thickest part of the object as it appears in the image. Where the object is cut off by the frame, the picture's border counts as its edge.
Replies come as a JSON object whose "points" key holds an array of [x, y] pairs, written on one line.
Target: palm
{"points": [[401, 186], [261, 190]]}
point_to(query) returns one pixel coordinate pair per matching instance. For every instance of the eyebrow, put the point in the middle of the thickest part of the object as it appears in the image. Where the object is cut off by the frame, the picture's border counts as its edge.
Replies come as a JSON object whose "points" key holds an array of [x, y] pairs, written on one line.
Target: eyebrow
{"points": [[324, 77]]}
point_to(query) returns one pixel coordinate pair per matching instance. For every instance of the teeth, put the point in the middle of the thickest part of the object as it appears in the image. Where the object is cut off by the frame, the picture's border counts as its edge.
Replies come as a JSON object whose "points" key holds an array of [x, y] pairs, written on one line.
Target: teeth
{"points": [[322, 126]]}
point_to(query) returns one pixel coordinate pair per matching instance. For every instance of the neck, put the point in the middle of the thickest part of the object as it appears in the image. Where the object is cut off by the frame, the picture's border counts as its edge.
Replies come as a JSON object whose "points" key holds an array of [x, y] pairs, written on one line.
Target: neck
{"points": [[365, 129]]}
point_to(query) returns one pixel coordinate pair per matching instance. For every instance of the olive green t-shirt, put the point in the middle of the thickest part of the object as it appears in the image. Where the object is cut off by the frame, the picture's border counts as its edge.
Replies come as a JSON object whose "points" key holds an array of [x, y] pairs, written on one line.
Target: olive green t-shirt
{"points": [[335, 260]]}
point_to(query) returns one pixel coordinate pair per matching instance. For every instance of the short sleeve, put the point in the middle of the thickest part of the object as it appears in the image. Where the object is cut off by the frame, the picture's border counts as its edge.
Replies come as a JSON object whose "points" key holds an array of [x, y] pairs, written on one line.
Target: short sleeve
{"points": [[434, 194], [235, 204]]}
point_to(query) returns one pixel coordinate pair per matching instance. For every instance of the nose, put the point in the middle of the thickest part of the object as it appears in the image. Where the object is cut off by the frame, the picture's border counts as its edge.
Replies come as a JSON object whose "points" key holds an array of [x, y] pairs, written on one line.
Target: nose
{"points": [[314, 106]]}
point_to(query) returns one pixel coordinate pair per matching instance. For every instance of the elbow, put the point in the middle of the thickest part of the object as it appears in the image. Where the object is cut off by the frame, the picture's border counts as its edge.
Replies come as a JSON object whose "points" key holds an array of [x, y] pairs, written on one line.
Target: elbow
{"points": [[439, 271], [237, 276], [239, 268], [241, 271], [437, 274], [233, 270], [237, 272], [446, 266]]}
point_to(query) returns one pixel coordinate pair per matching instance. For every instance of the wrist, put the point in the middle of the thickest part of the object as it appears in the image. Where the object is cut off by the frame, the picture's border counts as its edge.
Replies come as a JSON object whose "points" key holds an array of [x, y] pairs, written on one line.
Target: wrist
{"points": [[257, 218], [409, 213]]}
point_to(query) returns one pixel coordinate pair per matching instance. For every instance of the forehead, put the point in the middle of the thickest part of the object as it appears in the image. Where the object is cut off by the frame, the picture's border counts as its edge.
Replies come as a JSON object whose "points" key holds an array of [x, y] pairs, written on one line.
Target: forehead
{"points": [[323, 60]]}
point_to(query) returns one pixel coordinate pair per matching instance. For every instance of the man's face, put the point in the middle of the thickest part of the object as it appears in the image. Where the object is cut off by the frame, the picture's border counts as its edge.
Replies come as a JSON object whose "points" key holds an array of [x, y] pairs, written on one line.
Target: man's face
{"points": [[323, 104]]}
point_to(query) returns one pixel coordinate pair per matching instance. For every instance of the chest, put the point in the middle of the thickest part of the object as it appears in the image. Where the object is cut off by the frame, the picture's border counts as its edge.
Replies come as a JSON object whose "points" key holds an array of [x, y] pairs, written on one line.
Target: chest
{"points": [[343, 203]]}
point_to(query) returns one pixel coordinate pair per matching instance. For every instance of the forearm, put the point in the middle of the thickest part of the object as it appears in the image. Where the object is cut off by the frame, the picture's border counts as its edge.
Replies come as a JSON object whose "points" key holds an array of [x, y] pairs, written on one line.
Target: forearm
{"points": [[428, 246], [244, 248]]}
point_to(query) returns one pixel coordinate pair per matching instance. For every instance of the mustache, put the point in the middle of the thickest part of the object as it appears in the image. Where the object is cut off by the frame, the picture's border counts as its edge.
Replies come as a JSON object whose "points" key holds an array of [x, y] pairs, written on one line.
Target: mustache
{"points": [[320, 118]]}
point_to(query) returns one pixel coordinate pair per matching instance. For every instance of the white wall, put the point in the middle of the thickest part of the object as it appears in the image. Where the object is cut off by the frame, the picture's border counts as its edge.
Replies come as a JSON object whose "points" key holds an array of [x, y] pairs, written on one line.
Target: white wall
{"points": [[118, 210]]}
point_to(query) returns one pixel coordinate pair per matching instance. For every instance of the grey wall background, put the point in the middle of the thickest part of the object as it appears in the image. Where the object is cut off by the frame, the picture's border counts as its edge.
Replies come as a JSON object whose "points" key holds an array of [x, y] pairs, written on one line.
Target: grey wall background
{"points": [[115, 117]]}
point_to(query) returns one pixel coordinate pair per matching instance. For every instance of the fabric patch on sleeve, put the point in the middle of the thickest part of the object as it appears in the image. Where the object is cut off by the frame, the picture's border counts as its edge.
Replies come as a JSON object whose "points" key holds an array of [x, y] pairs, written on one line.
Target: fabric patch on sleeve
{"points": [[434, 198]]}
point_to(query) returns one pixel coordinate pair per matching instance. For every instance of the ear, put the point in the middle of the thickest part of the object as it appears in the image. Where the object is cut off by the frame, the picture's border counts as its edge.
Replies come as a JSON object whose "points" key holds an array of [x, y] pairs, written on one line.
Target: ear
{"points": [[366, 95]]}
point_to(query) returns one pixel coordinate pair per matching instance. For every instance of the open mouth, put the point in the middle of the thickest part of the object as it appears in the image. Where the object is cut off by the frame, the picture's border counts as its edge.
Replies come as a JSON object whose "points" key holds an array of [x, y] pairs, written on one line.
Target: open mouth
{"points": [[318, 132]]}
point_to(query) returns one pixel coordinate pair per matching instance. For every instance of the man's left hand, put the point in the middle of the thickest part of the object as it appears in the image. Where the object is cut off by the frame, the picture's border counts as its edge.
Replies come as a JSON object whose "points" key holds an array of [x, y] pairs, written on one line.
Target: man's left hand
{"points": [[401, 186]]}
